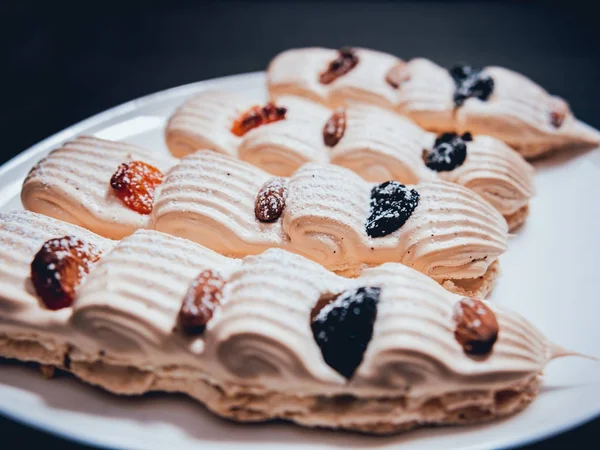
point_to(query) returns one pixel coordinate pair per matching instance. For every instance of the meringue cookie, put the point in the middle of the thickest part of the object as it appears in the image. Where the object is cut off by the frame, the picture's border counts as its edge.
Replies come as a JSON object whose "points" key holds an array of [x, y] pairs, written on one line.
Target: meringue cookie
{"points": [[377, 144], [257, 358], [296, 72], [210, 198], [516, 110], [24, 318], [72, 183]]}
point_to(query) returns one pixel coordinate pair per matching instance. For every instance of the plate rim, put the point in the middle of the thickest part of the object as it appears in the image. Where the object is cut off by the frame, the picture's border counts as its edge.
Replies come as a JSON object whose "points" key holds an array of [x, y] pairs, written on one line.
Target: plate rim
{"points": [[129, 106]]}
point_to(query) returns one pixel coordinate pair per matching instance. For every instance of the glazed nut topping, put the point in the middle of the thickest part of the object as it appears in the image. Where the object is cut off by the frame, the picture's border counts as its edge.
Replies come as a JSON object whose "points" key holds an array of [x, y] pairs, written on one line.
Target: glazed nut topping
{"points": [[270, 201], [334, 128], [58, 269], [476, 328], [200, 302], [397, 75], [134, 183], [558, 112], [257, 116], [346, 60]]}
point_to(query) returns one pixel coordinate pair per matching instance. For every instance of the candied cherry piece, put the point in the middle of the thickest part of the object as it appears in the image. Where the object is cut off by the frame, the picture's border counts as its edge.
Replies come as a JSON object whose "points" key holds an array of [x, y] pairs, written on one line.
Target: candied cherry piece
{"points": [[134, 183], [342, 327], [201, 300], [257, 116], [391, 205], [58, 269], [345, 61]]}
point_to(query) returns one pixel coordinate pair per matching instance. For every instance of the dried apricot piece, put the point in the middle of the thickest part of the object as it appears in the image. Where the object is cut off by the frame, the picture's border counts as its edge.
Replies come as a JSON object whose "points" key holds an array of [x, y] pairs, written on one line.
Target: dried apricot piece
{"points": [[134, 183]]}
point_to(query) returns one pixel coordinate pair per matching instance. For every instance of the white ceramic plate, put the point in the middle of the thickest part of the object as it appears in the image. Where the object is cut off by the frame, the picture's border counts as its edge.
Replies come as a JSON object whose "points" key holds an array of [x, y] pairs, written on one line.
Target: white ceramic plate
{"points": [[549, 275]]}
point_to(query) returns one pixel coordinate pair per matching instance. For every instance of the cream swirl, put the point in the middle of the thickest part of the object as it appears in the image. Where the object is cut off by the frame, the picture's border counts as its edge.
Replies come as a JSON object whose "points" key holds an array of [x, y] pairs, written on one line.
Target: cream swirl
{"points": [[209, 199], [379, 146], [496, 172], [283, 146], [129, 303]]}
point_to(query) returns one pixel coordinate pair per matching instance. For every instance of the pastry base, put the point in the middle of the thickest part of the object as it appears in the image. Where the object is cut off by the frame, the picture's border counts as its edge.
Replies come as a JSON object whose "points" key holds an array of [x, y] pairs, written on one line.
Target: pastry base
{"points": [[518, 218], [478, 287], [366, 415]]}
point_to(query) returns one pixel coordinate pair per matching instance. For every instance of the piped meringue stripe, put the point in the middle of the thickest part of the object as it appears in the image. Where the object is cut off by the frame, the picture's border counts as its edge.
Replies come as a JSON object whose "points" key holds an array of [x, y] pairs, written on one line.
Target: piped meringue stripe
{"points": [[209, 198], [497, 173], [22, 235], [131, 301], [377, 144], [517, 112], [296, 72], [283, 146], [205, 121], [73, 184], [125, 315]]}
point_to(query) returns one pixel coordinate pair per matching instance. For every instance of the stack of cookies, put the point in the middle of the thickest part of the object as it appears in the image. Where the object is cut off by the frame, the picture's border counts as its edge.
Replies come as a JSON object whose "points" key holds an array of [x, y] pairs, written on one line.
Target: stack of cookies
{"points": [[323, 257]]}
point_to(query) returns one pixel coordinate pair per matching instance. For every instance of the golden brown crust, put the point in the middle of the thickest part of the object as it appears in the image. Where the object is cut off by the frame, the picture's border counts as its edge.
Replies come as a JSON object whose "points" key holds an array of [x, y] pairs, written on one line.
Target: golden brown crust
{"points": [[518, 218], [477, 288]]}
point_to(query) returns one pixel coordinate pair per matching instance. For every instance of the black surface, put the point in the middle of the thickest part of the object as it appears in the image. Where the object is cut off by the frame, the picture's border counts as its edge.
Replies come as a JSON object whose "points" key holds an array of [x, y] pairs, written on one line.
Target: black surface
{"points": [[64, 61]]}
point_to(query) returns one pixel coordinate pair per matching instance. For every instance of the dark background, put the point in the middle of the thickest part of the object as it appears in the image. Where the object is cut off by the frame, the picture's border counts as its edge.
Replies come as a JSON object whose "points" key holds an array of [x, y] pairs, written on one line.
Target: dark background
{"points": [[64, 61]]}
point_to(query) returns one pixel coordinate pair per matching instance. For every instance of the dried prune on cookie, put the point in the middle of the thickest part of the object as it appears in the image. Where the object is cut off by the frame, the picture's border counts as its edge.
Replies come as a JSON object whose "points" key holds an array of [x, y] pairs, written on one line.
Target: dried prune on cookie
{"points": [[391, 205], [470, 83], [345, 61], [449, 151], [343, 327]]}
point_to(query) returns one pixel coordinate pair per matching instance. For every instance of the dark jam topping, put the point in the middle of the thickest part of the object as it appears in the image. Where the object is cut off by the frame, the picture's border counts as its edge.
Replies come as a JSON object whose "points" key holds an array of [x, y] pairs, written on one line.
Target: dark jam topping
{"points": [[346, 60], [343, 327], [392, 204], [470, 83], [449, 151]]}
